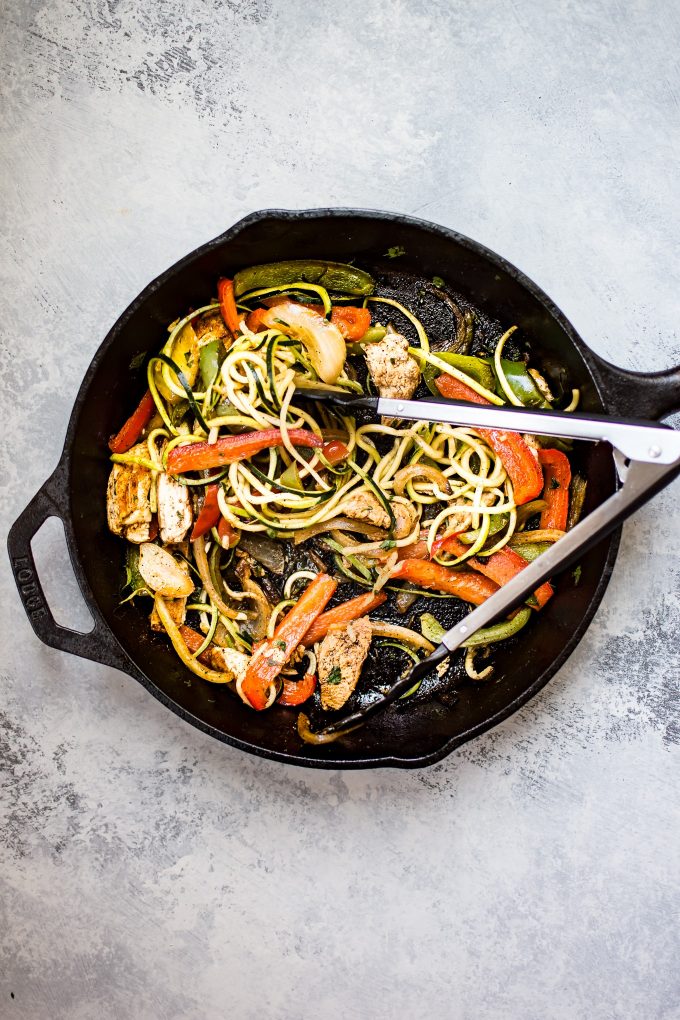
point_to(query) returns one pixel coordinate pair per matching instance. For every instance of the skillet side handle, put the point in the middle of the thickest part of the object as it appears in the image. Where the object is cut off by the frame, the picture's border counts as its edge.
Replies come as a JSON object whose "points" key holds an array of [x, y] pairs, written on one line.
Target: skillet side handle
{"points": [[99, 644], [650, 395]]}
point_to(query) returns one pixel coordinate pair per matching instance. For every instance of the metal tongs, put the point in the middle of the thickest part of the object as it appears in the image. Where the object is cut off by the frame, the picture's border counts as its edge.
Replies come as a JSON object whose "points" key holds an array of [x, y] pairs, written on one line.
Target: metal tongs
{"points": [[647, 458]]}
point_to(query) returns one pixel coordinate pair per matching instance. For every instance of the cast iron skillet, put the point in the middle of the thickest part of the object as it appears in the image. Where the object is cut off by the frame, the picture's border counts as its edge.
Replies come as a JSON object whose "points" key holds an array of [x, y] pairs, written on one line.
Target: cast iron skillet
{"points": [[409, 737]]}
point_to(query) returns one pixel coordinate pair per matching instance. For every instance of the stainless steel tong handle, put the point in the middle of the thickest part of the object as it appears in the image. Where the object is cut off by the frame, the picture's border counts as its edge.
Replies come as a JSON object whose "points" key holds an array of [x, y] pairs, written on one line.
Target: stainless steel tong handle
{"points": [[643, 441], [651, 459]]}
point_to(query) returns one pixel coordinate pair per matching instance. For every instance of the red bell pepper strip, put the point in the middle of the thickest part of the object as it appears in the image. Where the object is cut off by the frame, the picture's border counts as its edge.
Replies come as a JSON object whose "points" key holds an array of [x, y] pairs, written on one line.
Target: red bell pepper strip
{"points": [[557, 475], [417, 551], [273, 654], [225, 294], [334, 451], [193, 640], [254, 320], [134, 426], [209, 514], [471, 587], [229, 449], [501, 566], [350, 320], [295, 692], [518, 460], [227, 534], [343, 614]]}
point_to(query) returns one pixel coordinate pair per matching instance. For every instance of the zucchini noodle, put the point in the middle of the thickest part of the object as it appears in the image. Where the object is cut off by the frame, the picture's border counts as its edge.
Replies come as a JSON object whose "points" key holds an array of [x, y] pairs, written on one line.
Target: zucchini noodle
{"points": [[394, 492]]}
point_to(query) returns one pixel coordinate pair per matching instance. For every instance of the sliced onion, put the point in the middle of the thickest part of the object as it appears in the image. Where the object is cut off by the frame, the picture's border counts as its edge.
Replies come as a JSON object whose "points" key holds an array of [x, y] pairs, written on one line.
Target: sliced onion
{"points": [[470, 666], [212, 675], [407, 474], [404, 599], [409, 637], [542, 535], [259, 618], [340, 524], [201, 558], [265, 550], [528, 510]]}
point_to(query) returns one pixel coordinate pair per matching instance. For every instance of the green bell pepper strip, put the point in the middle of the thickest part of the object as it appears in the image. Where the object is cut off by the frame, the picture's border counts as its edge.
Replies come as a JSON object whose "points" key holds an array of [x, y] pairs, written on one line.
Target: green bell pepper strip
{"points": [[335, 276], [532, 550], [521, 384], [133, 579], [477, 368], [433, 630], [209, 362], [577, 497]]}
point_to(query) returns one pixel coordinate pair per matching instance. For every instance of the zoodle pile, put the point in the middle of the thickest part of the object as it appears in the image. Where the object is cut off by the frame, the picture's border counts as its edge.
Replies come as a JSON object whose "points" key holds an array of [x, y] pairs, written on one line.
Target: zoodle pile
{"points": [[272, 531]]}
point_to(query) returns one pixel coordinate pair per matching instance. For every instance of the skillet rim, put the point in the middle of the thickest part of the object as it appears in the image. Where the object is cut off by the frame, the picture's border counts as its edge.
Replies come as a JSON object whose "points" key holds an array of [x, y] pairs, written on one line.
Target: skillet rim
{"points": [[121, 658]]}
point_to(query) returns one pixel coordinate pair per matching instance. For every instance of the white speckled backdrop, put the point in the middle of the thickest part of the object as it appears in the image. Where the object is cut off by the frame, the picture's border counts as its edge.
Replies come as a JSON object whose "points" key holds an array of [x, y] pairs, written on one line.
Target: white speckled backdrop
{"points": [[149, 872]]}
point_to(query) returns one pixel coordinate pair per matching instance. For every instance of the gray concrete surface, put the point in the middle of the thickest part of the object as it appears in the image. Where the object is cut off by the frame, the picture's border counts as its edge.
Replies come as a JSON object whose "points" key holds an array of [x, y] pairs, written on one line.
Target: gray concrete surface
{"points": [[147, 871]]}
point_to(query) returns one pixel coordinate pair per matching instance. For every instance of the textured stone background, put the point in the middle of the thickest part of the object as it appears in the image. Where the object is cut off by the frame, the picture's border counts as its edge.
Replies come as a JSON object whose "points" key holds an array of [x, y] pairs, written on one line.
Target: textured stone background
{"points": [[150, 872]]}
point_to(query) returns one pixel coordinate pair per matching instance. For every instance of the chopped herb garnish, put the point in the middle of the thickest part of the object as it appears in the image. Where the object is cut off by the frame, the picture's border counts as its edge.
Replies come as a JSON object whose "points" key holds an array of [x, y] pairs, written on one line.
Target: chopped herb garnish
{"points": [[138, 360], [395, 252], [389, 543], [437, 281], [335, 676], [281, 644], [576, 574]]}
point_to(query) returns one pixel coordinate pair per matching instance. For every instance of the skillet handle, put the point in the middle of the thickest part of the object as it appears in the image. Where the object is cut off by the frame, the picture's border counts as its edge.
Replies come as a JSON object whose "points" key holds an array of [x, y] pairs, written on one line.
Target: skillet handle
{"points": [[99, 644], [650, 395]]}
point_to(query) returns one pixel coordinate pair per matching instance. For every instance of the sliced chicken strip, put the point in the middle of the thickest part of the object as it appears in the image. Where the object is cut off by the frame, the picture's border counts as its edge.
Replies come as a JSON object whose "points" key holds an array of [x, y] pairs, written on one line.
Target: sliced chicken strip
{"points": [[175, 515], [127, 493], [340, 659], [392, 368], [364, 506]]}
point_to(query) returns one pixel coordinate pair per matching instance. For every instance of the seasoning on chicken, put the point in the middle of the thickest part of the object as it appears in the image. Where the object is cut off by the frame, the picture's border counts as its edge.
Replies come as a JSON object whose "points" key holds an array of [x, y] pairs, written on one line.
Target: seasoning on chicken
{"points": [[541, 384], [177, 609], [340, 660], [211, 327], [392, 368], [128, 505], [228, 660], [175, 515], [364, 506]]}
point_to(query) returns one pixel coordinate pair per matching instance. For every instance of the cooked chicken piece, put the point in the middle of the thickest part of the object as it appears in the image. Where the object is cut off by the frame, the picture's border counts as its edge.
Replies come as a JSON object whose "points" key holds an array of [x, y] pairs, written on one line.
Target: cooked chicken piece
{"points": [[340, 660], [138, 533], [177, 609], [127, 494], [164, 574], [406, 516], [532, 443], [364, 506], [228, 660], [175, 515], [392, 368], [211, 327], [541, 384]]}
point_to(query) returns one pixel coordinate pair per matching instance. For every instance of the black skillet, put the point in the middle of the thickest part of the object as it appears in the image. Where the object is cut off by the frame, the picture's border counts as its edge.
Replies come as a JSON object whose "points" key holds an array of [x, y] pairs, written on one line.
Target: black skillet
{"points": [[408, 736]]}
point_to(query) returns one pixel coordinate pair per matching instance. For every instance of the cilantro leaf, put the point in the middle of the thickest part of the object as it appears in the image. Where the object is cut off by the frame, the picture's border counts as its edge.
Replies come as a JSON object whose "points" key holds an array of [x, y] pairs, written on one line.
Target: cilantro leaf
{"points": [[437, 281], [395, 252], [335, 676]]}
